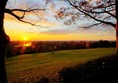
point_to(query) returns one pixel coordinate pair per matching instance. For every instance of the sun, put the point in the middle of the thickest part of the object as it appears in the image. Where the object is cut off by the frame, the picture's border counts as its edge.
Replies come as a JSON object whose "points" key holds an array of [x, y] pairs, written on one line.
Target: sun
{"points": [[25, 38], [26, 42]]}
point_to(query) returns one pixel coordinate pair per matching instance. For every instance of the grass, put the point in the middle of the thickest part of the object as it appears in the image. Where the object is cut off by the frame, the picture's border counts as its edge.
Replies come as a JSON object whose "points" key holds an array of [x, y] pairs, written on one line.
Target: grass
{"points": [[103, 69], [31, 67]]}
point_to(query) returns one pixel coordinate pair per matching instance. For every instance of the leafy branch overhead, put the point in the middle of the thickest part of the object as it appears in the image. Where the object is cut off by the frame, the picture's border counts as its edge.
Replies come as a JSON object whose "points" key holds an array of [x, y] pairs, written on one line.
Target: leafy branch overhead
{"points": [[101, 11]]}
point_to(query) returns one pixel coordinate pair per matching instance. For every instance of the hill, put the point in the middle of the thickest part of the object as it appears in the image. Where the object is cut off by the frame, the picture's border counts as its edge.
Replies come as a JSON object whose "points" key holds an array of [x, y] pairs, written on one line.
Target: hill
{"points": [[31, 67]]}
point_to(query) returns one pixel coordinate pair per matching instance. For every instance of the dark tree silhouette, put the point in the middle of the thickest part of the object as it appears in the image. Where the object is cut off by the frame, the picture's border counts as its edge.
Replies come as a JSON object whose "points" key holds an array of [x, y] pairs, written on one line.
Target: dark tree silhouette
{"points": [[102, 12], [4, 38], [116, 1]]}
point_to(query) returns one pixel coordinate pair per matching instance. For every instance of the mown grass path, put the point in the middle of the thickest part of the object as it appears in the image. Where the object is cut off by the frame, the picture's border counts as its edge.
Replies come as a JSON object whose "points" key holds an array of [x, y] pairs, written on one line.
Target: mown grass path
{"points": [[31, 66]]}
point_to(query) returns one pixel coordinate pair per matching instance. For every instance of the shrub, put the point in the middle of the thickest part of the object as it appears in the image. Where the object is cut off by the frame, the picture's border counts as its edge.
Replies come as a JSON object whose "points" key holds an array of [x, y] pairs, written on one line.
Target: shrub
{"points": [[43, 80], [82, 71]]}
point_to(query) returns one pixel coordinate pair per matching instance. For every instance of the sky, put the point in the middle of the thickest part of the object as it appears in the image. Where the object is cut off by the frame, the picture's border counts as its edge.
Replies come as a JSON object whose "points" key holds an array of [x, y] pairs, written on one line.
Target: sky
{"points": [[50, 28]]}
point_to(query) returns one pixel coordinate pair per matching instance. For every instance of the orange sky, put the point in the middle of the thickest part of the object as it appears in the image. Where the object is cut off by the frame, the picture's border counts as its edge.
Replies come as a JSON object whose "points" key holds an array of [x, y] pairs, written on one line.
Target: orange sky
{"points": [[18, 31], [56, 29]]}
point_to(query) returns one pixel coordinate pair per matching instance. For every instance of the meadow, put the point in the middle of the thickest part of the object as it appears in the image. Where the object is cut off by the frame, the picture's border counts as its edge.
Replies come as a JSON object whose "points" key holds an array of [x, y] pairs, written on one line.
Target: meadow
{"points": [[30, 67]]}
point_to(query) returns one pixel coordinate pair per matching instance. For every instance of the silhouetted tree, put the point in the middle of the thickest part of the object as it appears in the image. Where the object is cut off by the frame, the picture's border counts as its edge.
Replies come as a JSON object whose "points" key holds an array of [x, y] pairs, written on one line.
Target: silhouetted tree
{"points": [[102, 12], [4, 39]]}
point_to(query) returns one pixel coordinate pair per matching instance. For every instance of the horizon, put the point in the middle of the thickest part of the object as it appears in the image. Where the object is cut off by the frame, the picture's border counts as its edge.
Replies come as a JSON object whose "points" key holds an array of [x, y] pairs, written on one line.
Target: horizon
{"points": [[57, 40]]}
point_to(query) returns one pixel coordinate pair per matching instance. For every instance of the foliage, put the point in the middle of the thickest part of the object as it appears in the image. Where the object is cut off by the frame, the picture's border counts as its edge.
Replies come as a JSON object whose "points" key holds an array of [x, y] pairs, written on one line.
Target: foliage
{"points": [[82, 71], [16, 48], [43, 80], [98, 11]]}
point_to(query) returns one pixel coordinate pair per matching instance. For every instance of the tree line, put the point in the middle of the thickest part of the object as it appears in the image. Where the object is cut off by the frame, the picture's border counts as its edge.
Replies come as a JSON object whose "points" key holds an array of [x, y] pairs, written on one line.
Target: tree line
{"points": [[17, 48]]}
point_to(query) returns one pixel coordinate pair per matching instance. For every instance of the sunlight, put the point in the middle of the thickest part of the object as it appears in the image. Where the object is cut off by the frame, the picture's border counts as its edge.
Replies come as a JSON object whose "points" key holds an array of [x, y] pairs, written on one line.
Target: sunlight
{"points": [[27, 44], [25, 38]]}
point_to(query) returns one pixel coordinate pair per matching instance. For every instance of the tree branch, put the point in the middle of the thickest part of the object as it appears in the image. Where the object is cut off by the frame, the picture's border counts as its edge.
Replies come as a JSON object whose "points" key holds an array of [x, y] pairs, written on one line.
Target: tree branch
{"points": [[111, 14], [87, 27], [100, 12], [105, 22], [22, 10], [20, 18]]}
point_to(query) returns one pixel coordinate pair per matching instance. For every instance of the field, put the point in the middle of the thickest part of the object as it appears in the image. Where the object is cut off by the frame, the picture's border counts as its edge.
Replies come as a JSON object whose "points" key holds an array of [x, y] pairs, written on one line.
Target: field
{"points": [[30, 67]]}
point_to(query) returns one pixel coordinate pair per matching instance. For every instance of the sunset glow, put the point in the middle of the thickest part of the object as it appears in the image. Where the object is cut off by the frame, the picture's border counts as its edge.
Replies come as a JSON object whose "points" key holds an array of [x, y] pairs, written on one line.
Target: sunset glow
{"points": [[52, 29], [25, 38], [27, 44]]}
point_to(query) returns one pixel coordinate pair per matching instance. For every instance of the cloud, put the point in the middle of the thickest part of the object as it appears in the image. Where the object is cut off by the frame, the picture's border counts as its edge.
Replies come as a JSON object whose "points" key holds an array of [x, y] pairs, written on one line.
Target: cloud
{"points": [[58, 32]]}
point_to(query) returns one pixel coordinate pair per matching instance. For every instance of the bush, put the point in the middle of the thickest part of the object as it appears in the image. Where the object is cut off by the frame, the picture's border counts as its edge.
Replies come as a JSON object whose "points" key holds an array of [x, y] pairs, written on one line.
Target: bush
{"points": [[43, 80], [82, 71]]}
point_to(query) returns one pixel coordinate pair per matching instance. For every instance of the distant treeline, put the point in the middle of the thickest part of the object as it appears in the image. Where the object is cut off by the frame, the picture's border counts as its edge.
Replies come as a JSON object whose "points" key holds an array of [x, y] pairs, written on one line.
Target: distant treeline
{"points": [[17, 47]]}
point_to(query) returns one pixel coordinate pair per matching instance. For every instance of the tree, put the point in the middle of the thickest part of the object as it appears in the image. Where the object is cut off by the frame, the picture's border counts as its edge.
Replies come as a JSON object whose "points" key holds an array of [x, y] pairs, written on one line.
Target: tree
{"points": [[116, 1], [100, 12], [4, 38]]}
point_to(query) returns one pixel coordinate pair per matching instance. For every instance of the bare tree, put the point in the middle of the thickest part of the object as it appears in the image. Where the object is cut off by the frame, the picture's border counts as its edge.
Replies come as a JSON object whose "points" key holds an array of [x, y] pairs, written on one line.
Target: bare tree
{"points": [[102, 12], [4, 38]]}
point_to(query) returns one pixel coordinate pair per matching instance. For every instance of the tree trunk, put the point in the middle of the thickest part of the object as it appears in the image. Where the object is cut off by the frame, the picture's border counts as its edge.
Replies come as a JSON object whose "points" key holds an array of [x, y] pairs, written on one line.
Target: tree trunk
{"points": [[117, 38], [116, 1], [4, 40]]}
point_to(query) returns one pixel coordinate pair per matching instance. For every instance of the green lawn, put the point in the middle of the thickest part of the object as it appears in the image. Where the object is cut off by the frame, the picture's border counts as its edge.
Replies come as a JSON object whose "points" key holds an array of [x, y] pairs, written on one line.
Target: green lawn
{"points": [[32, 66]]}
